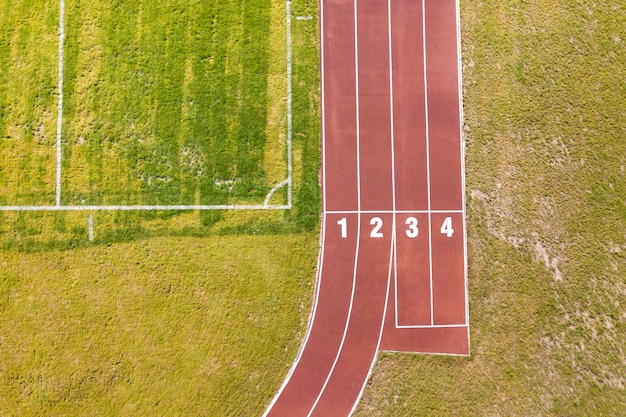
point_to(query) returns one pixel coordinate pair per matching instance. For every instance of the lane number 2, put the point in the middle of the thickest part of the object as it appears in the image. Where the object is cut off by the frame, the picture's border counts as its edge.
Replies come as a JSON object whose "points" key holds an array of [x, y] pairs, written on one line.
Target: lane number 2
{"points": [[412, 230]]}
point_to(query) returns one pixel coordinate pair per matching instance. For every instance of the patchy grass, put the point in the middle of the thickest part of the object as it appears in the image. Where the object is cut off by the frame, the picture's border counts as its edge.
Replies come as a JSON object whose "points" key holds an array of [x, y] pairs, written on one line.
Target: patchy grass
{"points": [[162, 313], [545, 100]]}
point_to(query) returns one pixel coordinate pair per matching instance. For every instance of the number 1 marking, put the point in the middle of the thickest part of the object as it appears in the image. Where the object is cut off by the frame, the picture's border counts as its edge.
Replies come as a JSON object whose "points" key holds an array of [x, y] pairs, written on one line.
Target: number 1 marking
{"points": [[344, 227]]}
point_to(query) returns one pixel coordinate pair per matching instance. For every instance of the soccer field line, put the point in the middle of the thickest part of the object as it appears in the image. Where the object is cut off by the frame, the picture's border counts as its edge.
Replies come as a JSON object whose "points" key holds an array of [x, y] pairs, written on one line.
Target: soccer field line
{"points": [[155, 207], [59, 148]]}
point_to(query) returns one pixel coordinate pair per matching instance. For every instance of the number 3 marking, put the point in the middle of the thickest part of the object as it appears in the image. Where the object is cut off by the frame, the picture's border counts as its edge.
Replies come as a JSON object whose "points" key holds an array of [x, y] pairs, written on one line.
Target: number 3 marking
{"points": [[412, 231]]}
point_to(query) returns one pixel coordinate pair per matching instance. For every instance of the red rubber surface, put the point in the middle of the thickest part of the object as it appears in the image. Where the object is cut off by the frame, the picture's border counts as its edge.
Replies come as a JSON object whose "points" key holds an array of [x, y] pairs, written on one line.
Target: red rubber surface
{"points": [[390, 277]]}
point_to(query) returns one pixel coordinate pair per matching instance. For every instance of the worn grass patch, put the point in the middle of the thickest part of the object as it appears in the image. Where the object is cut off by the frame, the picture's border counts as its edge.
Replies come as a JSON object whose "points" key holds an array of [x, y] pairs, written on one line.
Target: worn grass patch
{"points": [[545, 100]]}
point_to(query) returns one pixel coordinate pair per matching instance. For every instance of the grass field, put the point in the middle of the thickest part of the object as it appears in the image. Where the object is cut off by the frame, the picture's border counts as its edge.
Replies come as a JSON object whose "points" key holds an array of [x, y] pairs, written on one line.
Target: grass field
{"points": [[203, 313], [163, 313]]}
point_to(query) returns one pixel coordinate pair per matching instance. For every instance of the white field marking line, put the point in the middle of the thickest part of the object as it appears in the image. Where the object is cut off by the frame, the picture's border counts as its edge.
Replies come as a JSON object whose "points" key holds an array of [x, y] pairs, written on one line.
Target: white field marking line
{"points": [[289, 107], [456, 355], [60, 104], [430, 233], [382, 322], [90, 226], [393, 158], [358, 111], [358, 233], [145, 208], [318, 284], [462, 144], [349, 316], [276, 188]]}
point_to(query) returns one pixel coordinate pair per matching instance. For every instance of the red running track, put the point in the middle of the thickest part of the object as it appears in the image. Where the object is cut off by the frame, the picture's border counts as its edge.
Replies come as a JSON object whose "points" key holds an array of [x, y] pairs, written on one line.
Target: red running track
{"points": [[392, 266]]}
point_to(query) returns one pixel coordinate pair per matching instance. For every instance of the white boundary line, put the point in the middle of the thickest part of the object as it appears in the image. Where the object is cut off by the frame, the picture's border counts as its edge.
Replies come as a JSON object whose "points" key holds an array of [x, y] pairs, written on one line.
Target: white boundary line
{"points": [[430, 234], [59, 149], [289, 180], [382, 323], [145, 208], [60, 104], [358, 233], [318, 281]]}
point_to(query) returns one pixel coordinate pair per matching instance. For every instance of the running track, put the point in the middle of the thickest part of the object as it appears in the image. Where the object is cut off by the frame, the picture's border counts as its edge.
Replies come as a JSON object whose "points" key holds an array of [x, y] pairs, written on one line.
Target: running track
{"points": [[392, 266]]}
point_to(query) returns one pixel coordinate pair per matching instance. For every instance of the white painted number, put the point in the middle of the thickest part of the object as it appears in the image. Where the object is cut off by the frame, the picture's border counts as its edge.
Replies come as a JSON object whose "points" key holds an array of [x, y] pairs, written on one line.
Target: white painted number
{"points": [[446, 227], [377, 222], [412, 231], [344, 227]]}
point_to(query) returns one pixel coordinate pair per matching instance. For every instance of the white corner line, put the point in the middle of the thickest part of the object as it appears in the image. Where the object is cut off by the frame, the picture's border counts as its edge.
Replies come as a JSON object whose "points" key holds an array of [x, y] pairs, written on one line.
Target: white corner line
{"points": [[273, 190], [60, 103]]}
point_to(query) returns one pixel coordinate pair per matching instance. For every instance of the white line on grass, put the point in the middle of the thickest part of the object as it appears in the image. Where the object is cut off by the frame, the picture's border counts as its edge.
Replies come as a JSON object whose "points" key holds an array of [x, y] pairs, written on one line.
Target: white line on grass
{"points": [[289, 105], [60, 105]]}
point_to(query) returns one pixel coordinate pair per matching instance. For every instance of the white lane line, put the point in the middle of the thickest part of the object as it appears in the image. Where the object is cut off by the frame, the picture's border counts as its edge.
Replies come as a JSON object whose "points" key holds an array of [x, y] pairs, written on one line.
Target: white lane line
{"points": [[382, 322], [358, 110], [434, 326], [430, 234], [462, 140], [393, 158], [348, 318], [323, 106], [392, 211], [145, 208], [289, 107], [358, 236], [60, 104], [318, 284]]}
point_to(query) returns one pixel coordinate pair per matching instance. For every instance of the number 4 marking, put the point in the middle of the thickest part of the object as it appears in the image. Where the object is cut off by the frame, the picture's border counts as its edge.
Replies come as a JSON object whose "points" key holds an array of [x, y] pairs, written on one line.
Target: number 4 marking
{"points": [[446, 227]]}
